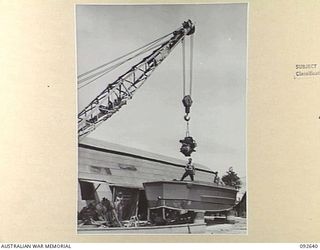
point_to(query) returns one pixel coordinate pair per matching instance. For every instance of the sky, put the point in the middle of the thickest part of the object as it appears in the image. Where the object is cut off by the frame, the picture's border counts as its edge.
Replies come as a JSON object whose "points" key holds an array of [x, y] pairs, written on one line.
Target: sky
{"points": [[153, 119]]}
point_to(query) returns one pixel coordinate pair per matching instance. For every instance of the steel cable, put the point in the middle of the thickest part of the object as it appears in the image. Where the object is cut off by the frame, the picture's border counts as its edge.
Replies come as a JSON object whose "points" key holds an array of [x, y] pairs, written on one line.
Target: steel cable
{"points": [[191, 62], [183, 67], [109, 69], [103, 65]]}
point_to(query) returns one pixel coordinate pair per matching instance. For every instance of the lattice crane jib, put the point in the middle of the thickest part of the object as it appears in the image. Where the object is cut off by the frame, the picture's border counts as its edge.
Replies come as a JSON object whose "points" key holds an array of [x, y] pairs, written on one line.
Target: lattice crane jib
{"points": [[117, 93]]}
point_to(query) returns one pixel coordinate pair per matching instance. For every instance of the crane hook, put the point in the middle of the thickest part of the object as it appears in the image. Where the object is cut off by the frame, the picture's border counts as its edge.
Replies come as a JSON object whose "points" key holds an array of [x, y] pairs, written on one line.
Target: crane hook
{"points": [[187, 117]]}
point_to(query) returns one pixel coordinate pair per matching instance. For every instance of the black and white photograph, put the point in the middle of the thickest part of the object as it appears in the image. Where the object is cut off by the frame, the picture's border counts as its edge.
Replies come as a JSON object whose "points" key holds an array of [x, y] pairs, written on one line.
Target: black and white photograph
{"points": [[161, 92]]}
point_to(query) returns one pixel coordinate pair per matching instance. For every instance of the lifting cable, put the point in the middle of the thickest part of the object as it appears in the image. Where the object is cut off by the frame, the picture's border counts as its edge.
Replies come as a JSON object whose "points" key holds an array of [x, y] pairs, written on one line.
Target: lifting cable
{"points": [[187, 117], [191, 62], [188, 143], [183, 67], [187, 90]]}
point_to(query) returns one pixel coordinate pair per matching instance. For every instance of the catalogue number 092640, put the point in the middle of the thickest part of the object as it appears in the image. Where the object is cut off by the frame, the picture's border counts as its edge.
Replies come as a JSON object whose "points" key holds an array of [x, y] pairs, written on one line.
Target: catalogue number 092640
{"points": [[305, 245]]}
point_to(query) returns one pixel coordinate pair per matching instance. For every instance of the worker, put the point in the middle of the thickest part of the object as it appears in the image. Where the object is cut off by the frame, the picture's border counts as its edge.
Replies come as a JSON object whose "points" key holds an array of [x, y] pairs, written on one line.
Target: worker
{"points": [[119, 205], [89, 214], [110, 213], [101, 211], [189, 170], [216, 178]]}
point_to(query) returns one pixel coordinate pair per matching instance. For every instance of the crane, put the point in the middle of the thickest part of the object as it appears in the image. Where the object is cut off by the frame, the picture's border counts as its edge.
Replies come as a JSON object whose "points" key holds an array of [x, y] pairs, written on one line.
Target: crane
{"points": [[117, 93]]}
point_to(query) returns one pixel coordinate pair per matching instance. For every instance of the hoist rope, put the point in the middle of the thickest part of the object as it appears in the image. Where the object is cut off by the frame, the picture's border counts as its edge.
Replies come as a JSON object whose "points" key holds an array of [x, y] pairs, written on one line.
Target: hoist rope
{"points": [[191, 62], [121, 57], [187, 118], [183, 67]]}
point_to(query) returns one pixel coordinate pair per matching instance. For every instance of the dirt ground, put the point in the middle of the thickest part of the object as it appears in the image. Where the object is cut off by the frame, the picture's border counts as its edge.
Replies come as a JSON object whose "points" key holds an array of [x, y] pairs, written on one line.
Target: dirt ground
{"points": [[238, 227]]}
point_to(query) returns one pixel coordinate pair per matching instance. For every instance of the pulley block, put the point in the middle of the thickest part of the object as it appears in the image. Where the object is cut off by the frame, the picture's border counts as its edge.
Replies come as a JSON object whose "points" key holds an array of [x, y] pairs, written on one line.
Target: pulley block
{"points": [[187, 102]]}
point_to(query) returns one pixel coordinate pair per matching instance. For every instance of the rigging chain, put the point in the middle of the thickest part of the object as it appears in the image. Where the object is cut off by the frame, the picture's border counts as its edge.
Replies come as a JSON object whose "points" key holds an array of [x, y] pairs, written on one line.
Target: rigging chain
{"points": [[187, 130]]}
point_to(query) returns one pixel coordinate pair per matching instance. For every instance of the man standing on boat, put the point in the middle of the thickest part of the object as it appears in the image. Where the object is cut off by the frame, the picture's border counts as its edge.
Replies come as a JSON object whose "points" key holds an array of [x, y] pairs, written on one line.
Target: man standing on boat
{"points": [[189, 170]]}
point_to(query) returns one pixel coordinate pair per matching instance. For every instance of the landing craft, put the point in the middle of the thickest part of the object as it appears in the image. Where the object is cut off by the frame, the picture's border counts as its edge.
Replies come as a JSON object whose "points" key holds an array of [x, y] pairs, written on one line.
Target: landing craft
{"points": [[153, 201]]}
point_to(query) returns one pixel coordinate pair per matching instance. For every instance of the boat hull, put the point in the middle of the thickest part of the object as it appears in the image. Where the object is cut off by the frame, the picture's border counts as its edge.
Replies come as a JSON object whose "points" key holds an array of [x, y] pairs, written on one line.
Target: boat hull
{"points": [[191, 196]]}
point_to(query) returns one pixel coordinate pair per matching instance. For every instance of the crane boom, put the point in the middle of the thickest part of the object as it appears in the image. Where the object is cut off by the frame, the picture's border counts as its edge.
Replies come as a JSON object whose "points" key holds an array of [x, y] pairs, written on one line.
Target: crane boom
{"points": [[117, 93]]}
